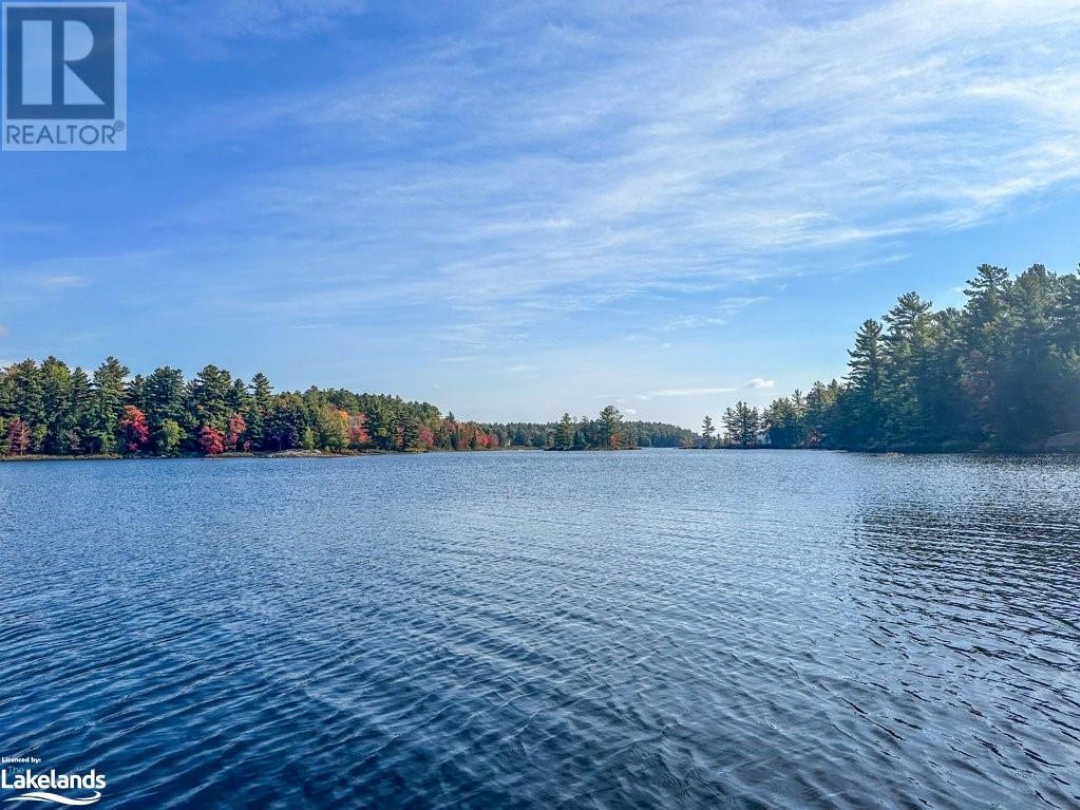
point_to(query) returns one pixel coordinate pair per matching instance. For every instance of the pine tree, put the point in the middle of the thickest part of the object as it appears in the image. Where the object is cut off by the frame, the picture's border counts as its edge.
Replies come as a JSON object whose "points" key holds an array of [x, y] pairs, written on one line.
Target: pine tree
{"points": [[865, 377], [106, 405], [564, 434], [608, 433], [708, 432], [742, 424]]}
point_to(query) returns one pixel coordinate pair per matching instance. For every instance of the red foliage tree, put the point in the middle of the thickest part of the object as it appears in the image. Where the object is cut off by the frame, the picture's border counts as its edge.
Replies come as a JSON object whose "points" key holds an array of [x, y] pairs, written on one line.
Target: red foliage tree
{"points": [[211, 443], [134, 430], [237, 426], [358, 432], [426, 439], [485, 441], [18, 437]]}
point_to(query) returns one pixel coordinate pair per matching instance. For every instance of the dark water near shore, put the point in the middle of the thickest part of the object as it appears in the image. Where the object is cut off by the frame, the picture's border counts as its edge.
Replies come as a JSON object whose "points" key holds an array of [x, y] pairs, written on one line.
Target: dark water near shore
{"points": [[655, 629]]}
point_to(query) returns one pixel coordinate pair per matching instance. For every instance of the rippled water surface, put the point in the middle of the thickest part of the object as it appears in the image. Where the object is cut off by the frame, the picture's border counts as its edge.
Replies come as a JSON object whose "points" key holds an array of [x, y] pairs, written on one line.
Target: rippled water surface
{"points": [[653, 629]]}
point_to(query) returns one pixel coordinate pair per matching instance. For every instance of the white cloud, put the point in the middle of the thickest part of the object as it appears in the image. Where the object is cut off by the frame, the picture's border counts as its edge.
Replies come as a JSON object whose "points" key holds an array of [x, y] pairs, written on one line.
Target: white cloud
{"points": [[759, 383]]}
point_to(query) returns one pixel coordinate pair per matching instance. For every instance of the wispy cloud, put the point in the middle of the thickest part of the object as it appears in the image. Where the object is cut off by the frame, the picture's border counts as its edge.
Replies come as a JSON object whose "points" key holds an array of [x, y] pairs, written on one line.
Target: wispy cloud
{"points": [[523, 369], [717, 315], [63, 282], [209, 23], [690, 392], [4, 331], [761, 384], [573, 161]]}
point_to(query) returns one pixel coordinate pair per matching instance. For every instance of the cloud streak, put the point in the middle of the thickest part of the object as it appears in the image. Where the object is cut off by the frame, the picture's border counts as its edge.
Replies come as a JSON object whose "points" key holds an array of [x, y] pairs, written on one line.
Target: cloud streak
{"points": [[720, 147], [689, 392]]}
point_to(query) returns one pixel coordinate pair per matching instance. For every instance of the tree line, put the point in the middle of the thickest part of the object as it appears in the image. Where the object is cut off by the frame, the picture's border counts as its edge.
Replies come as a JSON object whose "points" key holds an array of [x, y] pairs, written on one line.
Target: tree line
{"points": [[608, 431], [1000, 374], [52, 409]]}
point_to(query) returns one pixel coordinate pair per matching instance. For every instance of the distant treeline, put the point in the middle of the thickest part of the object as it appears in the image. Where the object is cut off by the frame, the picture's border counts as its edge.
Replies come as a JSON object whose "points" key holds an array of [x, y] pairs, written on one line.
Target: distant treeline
{"points": [[609, 431], [50, 409], [1003, 373]]}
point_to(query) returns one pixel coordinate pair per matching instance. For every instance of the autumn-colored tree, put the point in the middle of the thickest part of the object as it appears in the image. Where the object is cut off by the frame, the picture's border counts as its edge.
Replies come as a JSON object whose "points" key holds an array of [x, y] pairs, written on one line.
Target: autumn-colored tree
{"points": [[211, 443], [485, 441], [18, 437], [236, 429], [333, 428], [358, 433], [426, 439], [134, 432]]}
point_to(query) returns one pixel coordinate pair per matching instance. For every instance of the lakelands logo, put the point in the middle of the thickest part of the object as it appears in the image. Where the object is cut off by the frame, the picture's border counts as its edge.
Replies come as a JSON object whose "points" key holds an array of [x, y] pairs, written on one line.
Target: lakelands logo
{"points": [[65, 77], [43, 787]]}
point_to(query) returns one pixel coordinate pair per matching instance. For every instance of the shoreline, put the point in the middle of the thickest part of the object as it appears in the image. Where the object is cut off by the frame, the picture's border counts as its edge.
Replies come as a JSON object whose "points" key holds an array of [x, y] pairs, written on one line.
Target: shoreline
{"points": [[29, 459], [322, 454]]}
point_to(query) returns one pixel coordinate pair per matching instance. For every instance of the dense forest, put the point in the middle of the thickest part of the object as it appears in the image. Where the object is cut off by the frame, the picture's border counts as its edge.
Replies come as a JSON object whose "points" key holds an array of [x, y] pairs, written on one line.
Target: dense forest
{"points": [[50, 409], [1001, 374]]}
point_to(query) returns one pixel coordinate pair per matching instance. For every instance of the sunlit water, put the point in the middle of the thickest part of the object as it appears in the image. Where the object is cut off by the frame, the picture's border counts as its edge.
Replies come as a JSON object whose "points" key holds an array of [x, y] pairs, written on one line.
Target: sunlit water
{"points": [[653, 629]]}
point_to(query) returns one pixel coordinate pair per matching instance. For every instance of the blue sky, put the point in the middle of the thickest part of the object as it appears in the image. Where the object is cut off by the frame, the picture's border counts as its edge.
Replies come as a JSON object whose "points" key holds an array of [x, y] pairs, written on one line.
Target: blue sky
{"points": [[512, 210]]}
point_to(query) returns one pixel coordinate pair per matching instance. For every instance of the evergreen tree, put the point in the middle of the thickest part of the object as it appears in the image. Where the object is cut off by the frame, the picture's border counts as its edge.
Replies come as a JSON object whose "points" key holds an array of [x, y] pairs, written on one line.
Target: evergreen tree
{"points": [[108, 396], [608, 434], [564, 434], [56, 389], [708, 432], [865, 378], [742, 425], [208, 398]]}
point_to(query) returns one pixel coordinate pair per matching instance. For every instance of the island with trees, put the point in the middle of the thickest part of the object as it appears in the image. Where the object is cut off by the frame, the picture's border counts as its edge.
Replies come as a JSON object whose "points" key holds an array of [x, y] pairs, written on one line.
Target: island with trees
{"points": [[610, 431]]}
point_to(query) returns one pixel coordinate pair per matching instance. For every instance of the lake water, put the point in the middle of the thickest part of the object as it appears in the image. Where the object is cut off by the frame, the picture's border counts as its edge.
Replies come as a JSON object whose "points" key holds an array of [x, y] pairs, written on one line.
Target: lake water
{"points": [[541, 630]]}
